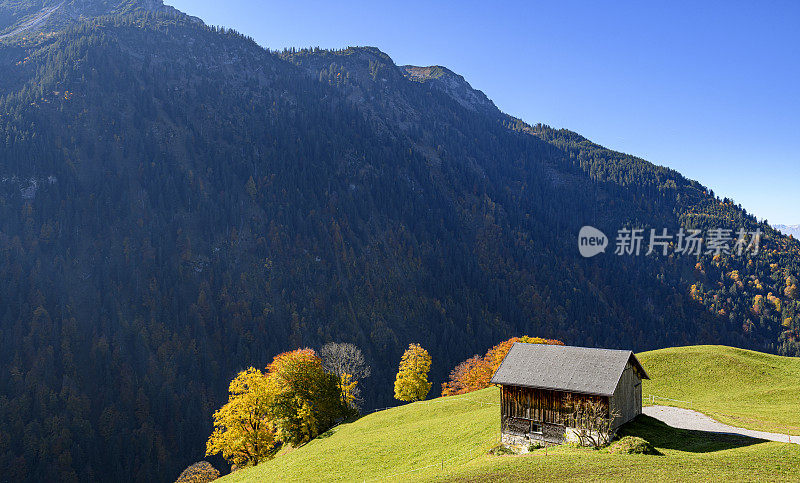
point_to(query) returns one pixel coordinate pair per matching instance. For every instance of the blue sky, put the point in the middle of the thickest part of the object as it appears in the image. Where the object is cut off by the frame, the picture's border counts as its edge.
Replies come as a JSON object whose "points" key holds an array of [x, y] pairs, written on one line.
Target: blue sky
{"points": [[711, 89]]}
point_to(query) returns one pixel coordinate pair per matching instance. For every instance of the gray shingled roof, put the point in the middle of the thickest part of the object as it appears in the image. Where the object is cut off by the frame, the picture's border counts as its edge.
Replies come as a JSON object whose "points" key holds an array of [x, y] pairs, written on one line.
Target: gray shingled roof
{"points": [[565, 368]]}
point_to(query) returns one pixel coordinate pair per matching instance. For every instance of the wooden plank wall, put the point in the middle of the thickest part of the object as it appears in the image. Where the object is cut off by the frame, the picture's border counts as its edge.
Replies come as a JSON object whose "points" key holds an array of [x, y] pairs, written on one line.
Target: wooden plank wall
{"points": [[627, 398], [540, 405]]}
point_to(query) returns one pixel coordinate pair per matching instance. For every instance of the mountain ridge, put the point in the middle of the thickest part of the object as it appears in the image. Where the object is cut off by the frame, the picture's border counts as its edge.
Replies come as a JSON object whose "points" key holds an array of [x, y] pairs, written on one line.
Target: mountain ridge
{"points": [[454, 84], [792, 230]]}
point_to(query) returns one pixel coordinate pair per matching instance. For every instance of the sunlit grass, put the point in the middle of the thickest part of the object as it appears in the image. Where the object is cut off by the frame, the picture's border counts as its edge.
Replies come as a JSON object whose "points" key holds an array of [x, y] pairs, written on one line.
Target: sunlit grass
{"points": [[448, 438], [735, 386]]}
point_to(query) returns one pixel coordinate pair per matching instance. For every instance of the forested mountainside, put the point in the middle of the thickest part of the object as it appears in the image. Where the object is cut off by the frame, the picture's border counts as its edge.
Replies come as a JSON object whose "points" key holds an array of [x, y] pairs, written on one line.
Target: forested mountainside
{"points": [[178, 203]]}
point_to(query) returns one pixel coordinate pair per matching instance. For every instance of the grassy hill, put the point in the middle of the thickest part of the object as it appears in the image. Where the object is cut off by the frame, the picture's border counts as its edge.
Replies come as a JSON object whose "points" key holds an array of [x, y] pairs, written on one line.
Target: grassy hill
{"points": [[449, 438], [738, 387]]}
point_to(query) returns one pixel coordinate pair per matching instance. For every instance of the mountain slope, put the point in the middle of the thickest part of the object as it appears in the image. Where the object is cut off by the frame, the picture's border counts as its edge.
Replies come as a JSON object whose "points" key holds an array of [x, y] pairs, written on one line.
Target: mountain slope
{"points": [[448, 438], [178, 203]]}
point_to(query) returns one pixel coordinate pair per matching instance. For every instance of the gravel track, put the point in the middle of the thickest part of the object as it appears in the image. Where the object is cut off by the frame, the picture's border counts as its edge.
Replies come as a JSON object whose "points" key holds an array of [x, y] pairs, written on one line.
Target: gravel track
{"points": [[688, 419]]}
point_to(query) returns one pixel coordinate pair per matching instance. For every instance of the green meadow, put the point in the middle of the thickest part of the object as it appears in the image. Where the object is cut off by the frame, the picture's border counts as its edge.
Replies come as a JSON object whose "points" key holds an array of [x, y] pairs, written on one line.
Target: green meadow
{"points": [[449, 438], [735, 386]]}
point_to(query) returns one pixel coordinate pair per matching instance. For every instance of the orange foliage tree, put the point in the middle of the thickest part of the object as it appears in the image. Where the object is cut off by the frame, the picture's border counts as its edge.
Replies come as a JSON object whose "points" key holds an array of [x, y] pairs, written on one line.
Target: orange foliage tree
{"points": [[476, 372]]}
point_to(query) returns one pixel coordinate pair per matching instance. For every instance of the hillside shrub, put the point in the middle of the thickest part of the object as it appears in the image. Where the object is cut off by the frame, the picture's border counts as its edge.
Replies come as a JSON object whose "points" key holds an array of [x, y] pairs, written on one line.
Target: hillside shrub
{"points": [[534, 446], [201, 472], [501, 450], [632, 445]]}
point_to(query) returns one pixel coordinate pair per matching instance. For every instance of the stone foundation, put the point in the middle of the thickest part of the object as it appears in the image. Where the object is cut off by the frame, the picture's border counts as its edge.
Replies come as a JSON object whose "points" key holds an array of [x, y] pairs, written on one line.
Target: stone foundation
{"points": [[550, 434]]}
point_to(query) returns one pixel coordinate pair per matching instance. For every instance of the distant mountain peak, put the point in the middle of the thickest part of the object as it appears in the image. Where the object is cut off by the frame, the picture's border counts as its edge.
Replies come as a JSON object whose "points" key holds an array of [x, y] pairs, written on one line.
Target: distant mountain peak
{"points": [[426, 73], [453, 84], [790, 230], [370, 65]]}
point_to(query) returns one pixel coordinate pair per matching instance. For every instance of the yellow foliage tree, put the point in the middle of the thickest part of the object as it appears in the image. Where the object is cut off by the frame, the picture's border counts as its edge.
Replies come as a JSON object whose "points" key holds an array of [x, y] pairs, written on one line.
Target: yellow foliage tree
{"points": [[290, 404], [243, 432], [307, 400], [347, 385], [411, 383], [775, 301], [758, 305]]}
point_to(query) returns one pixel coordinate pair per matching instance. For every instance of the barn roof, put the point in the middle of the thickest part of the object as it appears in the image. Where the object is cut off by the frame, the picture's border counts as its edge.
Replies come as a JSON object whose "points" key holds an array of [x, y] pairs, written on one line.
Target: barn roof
{"points": [[565, 368]]}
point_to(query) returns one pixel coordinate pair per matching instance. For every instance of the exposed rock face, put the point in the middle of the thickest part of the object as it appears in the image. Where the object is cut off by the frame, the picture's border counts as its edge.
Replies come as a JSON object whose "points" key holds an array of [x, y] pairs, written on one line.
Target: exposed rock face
{"points": [[454, 85], [46, 16]]}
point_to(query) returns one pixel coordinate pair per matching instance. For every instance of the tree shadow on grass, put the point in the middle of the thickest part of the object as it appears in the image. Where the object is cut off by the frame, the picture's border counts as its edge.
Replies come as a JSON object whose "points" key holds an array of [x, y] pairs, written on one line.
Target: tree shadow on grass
{"points": [[663, 436], [328, 433]]}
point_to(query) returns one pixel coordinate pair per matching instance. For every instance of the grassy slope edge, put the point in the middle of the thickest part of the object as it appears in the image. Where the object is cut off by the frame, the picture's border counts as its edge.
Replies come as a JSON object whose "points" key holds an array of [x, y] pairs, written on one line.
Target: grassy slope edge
{"points": [[391, 441], [735, 386], [448, 438]]}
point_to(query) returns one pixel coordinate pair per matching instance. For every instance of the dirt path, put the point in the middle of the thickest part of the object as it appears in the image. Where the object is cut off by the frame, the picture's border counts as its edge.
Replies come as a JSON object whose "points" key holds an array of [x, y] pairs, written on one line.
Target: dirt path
{"points": [[688, 419], [34, 22]]}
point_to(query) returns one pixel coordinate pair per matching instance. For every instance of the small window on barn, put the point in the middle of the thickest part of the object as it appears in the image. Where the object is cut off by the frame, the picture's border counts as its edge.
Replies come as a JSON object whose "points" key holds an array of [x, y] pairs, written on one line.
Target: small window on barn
{"points": [[535, 428]]}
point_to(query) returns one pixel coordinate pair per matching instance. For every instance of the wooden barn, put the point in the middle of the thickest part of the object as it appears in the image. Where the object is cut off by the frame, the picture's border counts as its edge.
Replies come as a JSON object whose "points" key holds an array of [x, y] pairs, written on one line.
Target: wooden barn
{"points": [[542, 383]]}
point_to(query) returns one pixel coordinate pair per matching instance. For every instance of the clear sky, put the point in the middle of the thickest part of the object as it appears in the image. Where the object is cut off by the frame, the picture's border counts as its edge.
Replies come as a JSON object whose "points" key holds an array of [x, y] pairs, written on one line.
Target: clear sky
{"points": [[711, 89]]}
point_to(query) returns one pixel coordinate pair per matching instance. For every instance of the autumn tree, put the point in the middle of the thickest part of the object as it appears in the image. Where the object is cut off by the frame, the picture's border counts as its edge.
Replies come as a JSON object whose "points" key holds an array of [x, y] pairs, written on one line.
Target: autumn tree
{"points": [[411, 383], [201, 472], [471, 375], [476, 372], [791, 289], [758, 305], [307, 399], [243, 431], [347, 363], [291, 404]]}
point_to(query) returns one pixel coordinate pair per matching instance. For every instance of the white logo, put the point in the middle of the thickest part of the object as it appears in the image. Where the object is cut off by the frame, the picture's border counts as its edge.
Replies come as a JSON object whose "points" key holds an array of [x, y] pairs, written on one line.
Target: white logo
{"points": [[591, 241]]}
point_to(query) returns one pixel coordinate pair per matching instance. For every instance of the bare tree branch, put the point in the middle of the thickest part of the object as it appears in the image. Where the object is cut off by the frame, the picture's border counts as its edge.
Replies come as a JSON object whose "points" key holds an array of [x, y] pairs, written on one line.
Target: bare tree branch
{"points": [[341, 358], [590, 420]]}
